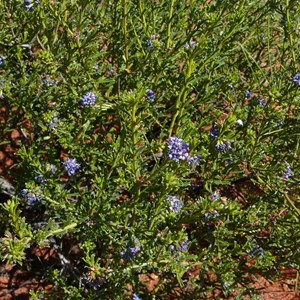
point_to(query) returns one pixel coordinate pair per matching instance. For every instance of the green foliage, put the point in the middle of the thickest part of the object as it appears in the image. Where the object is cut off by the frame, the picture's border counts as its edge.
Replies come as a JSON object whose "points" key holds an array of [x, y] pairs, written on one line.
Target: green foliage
{"points": [[240, 215]]}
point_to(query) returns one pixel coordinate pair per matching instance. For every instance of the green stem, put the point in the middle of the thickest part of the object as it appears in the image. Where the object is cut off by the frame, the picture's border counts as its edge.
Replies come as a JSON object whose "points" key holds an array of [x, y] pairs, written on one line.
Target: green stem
{"points": [[168, 44], [125, 32], [290, 36], [180, 101]]}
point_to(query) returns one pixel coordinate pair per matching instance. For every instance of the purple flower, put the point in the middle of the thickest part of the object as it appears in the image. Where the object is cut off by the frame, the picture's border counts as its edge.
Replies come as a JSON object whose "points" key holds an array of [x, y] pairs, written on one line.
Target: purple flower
{"points": [[150, 95], [178, 149], [296, 78], [223, 146], [32, 196], [288, 172], [214, 132], [193, 161], [1, 61], [175, 204], [89, 99], [71, 166], [131, 252]]}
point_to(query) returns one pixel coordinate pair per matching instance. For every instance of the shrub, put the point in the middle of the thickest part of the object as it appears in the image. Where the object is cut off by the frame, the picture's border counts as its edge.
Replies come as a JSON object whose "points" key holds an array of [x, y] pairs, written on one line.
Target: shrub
{"points": [[161, 137]]}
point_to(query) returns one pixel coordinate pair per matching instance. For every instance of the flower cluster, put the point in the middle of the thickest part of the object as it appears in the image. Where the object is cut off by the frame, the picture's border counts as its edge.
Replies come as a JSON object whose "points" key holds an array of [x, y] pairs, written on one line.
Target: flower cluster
{"points": [[71, 166], [89, 99], [287, 172], [223, 146], [32, 196], [131, 252], [178, 149], [150, 95], [175, 204], [296, 79]]}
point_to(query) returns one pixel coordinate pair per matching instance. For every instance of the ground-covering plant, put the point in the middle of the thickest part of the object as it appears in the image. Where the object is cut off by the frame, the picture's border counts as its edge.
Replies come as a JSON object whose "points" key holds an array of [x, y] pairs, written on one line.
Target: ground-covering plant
{"points": [[161, 138]]}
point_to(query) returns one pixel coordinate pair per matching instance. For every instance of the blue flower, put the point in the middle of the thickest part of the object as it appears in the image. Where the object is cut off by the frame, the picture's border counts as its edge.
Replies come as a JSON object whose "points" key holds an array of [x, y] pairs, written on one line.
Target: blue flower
{"points": [[53, 122], [131, 252], [212, 214], [175, 204], [223, 146], [32, 196], [30, 6], [136, 297], [183, 246], [214, 196], [180, 247], [1, 61], [296, 78], [193, 161], [178, 149], [150, 44], [248, 94], [190, 45], [255, 249], [150, 95], [262, 103], [214, 132], [51, 169], [288, 172], [40, 179], [279, 123], [71, 166], [47, 81], [89, 99]]}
